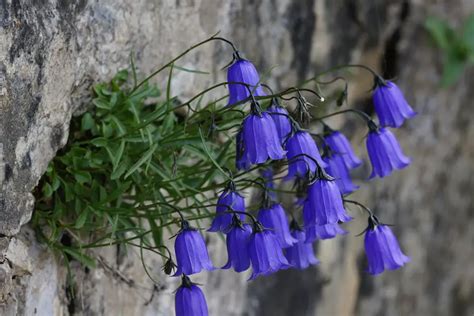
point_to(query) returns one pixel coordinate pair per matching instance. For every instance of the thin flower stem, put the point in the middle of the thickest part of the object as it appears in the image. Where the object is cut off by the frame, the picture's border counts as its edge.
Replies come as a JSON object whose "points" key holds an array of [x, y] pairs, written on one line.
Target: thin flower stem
{"points": [[212, 38], [363, 115], [333, 69], [360, 205]]}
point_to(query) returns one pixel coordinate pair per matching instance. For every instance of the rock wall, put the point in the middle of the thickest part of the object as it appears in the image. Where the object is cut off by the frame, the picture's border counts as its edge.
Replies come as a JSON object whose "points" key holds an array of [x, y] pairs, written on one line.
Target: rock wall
{"points": [[51, 52]]}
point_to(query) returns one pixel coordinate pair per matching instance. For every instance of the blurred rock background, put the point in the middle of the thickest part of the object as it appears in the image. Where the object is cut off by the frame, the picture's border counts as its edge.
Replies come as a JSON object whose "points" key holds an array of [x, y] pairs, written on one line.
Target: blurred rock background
{"points": [[51, 52]]}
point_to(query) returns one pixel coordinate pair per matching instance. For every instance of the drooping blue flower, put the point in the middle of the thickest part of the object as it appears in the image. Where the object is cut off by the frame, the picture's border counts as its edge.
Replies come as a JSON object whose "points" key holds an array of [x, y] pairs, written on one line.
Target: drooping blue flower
{"points": [[260, 139], [339, 144], [299, 144], [390, 104], [280, 116], [301, 254], [265, 252], [243, 71], [230, 199], [191, 252], [237, 245], [382, 248], [338, 170], [324, 204], [190, 300], [385, 153], [274, 218], [317, 232]]}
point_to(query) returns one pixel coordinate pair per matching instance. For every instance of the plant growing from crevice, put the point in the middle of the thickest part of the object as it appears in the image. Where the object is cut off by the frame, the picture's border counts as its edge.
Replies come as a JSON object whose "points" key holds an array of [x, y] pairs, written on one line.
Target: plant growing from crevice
{"points": [[142, 164]]}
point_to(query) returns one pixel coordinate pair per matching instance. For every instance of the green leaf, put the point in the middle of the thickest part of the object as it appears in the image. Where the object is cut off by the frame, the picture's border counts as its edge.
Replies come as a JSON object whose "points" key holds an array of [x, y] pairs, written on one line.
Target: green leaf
{"points": [[210, 156], [468, 33], [99, 142], [81, 220], [195, 71], [121, 128], [439, 31], [79, 256], [147, 155], [116, 155], [101, 104], [119, 171], [87, 122], [47, 190], [452, 70], [82, 176]]}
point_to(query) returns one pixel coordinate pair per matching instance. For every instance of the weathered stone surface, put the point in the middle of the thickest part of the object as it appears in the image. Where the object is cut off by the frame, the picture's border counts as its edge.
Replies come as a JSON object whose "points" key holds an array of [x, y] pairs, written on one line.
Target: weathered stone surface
{"points": [[52, 51]]}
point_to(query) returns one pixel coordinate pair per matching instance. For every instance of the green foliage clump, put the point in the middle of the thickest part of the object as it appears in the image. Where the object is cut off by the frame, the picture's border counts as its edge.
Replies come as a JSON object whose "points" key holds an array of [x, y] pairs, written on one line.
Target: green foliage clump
{"points": [[457, 46], [129, 158]]}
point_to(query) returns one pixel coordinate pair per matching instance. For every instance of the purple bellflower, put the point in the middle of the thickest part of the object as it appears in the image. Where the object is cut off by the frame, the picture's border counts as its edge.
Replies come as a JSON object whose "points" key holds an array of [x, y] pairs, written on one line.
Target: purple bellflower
{"points": [[243, 71], [339, 144], [301, 254], [280, 116], [266, 255], [390, 104], [338, 170], [191, 252], [299, 144], [382, 248], [259, 140], [274, 219], [237, 245], [230, 199], [384, 152], [190, 300], [324, 203], [318, 232]]}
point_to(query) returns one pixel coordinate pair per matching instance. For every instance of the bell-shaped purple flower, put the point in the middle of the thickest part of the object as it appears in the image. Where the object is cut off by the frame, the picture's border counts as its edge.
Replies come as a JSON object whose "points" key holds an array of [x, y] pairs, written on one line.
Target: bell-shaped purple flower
{"points": [[301, 254], [338, 170], [265, 253], [390, 104], [299, 144], [191, 252], [339, 144], [190, 300], [382, 248], [228, 200], [260, 139], [385, 153], [237, 246], [324, 204], [274, 219], [317, 232], [243, 71], [280, 116]]}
